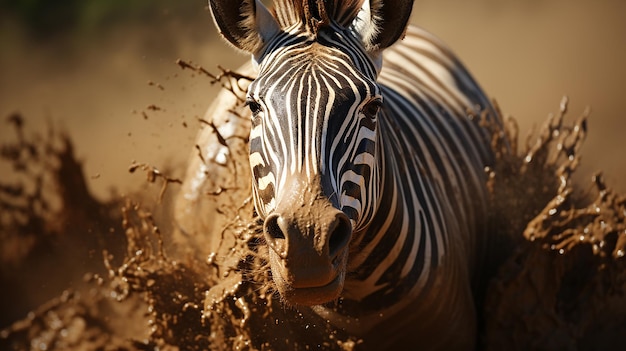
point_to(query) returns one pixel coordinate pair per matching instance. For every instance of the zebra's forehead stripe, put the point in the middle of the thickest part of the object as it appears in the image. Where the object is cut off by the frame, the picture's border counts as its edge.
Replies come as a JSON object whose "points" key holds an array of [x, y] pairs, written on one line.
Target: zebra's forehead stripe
{"points": [[315, 79], [325, 121]]}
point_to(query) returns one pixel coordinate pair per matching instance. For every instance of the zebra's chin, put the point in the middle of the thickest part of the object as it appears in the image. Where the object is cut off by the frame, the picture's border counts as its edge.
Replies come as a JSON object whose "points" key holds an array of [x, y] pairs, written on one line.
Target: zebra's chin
{"points": [[310, 295], [308, 282]]}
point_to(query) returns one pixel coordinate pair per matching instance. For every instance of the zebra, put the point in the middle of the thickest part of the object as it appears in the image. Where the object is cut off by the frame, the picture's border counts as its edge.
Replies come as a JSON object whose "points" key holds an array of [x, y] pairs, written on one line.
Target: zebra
{"points": [[367, 160]]}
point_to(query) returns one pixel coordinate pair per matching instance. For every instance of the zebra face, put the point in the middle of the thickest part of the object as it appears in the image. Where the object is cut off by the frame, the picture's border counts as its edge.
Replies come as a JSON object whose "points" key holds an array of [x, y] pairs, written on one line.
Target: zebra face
{"points": [[312, 154], [315, 106]]}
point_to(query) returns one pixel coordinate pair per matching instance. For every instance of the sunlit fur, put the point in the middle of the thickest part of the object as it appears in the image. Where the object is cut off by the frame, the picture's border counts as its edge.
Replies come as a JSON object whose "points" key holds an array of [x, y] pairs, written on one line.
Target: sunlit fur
{"points": [[410, 177], [312, 93]]}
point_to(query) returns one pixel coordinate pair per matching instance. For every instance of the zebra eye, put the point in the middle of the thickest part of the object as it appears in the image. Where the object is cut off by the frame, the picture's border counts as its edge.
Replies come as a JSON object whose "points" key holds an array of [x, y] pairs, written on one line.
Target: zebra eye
{"points": [[371, 108], [254, 106]]}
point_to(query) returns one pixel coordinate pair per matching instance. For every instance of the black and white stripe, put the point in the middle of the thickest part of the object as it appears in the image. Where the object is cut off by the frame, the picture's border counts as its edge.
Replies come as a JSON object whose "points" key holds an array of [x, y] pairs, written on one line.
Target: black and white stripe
{"points": [[367, 162], [411, 180], [302, 129]]}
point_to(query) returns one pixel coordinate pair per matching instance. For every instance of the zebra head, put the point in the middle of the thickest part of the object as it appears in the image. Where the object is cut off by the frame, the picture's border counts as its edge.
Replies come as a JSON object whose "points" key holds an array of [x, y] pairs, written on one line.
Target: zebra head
{"points": [[313, 142]]}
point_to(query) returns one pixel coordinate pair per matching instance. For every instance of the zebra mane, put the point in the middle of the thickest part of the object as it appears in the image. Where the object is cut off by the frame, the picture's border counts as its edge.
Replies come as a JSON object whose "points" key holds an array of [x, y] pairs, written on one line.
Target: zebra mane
{"points": [[316, 14]]}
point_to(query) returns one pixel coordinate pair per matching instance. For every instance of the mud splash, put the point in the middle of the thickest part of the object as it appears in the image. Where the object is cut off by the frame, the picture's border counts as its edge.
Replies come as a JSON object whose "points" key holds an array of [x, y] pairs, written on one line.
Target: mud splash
{"points": [[51, 229], [561, 284]]}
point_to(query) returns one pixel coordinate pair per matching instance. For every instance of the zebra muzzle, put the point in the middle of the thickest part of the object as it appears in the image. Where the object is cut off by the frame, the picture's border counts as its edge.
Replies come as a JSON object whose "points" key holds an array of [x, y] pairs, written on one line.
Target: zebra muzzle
{"points": [[308, 253]]}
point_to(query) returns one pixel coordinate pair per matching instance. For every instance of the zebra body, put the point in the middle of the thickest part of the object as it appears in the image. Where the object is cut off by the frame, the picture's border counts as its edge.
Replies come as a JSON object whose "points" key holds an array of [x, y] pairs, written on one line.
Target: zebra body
{"points": [[368, 167]]}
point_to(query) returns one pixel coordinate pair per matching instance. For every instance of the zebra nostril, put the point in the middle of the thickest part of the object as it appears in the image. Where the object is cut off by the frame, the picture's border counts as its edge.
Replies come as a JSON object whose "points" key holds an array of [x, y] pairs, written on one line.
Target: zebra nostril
{"points": [[272, 228], [274, 235], [339, 235]]}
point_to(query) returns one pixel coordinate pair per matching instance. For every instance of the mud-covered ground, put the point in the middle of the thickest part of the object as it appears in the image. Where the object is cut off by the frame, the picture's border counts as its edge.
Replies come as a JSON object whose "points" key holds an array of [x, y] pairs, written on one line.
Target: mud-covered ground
{"points": [[87, 267]]}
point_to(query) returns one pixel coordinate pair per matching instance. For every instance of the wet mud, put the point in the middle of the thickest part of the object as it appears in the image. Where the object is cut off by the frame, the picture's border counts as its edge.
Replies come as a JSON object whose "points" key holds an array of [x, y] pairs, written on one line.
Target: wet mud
{"points": [[126, 278]]}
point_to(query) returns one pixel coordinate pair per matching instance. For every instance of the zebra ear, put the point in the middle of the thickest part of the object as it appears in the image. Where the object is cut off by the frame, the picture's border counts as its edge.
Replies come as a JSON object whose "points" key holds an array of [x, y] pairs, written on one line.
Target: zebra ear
{"points": [[247, 24], [383, 23]]}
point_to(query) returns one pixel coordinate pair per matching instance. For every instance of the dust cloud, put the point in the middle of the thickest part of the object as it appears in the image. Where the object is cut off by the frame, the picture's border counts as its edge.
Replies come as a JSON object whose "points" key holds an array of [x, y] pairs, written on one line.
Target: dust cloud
{"points": [[118, 92]]}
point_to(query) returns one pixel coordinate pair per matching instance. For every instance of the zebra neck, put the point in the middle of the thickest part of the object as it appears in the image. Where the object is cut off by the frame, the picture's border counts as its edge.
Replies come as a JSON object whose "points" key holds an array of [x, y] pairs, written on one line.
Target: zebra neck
{"points": [[404, 240]]}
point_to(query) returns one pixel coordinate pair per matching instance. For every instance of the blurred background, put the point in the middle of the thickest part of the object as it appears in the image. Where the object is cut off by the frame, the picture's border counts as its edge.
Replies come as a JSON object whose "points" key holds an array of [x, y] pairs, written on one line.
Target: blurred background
{"points": [[104, 70]]}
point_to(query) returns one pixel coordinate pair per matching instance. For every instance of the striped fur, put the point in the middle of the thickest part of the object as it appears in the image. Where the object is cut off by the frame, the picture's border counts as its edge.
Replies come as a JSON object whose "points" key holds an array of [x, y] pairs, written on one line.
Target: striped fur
{"points": [[424, 158], [410, 177]]}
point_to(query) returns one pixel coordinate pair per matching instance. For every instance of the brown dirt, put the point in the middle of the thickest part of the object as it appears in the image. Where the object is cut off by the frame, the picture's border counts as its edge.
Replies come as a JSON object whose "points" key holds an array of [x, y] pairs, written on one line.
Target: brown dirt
{"points": [[562, 287]]}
